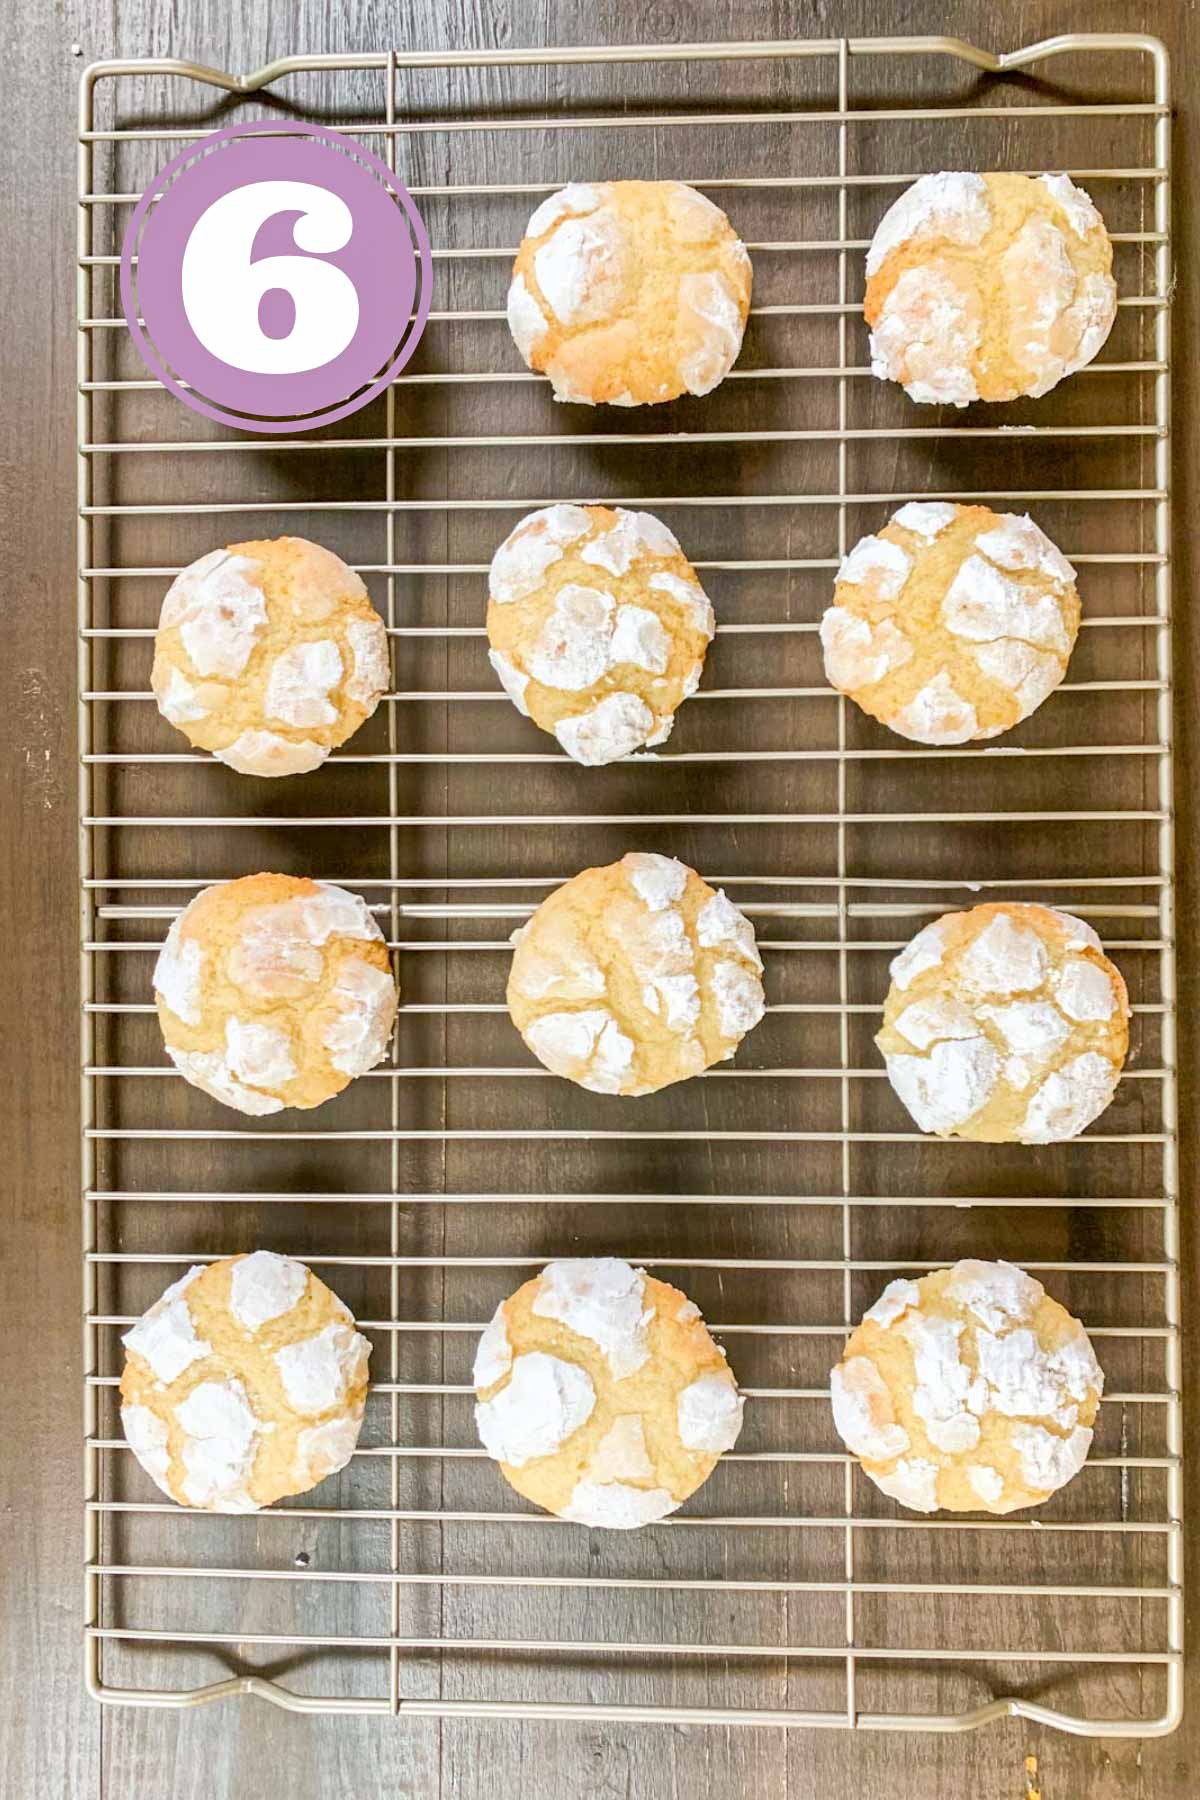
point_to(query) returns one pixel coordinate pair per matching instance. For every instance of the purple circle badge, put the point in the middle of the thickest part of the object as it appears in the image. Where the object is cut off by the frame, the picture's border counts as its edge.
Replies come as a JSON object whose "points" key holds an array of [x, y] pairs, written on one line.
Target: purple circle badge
{"points": [[276, 282]]}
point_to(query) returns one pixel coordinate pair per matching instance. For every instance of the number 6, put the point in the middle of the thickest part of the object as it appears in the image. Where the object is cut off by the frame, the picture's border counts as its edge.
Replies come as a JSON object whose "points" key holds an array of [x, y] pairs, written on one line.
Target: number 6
{"points": [[222, 289]]}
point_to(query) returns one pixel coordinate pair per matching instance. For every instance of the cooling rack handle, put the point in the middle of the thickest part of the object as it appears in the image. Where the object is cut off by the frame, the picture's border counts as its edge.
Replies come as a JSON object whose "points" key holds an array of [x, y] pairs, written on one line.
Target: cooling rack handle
{"points": [[991, 62], [258, 1685]]}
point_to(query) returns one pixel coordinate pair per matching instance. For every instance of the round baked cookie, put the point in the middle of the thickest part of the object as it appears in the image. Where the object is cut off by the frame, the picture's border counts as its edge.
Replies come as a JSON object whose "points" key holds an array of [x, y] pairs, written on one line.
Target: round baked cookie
{"points": [[629, 292], [601, 1394], [269, 654], [598, 627], [987, 287], [970, 1390], [951, 624], [274, 991], [635, 975], [244, 1383], [1006, 1024]]}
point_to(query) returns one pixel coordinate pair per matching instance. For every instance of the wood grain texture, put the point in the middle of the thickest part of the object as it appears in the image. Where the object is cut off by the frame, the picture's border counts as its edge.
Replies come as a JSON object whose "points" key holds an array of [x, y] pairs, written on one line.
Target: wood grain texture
{"points": [[52, 1741]]}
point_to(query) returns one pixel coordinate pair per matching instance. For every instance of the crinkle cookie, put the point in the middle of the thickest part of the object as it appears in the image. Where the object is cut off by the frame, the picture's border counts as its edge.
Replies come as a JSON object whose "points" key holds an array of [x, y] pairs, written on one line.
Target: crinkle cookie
{"points": [[244, 1383], [970, 1390], [987, 287], [269, 654], [274, 991], [598, 627], [601, 1394], [633, 976], [1006, 1024], [951, 624], [629, 292]]}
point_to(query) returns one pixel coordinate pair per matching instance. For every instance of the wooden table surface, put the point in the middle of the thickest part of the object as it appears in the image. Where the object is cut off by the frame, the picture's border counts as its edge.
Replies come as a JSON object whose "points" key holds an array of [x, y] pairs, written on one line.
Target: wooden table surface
{"points": [[54, 1742]]}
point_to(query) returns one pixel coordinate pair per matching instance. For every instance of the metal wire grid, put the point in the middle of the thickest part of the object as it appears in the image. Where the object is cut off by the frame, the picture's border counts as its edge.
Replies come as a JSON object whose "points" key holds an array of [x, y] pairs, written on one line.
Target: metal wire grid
{"points": [[857, 1663]]}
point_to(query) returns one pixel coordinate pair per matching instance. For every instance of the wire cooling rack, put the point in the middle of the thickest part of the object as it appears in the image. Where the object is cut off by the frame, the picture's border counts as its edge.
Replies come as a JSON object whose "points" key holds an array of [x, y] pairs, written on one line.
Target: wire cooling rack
{"points": [[780, 1193]]}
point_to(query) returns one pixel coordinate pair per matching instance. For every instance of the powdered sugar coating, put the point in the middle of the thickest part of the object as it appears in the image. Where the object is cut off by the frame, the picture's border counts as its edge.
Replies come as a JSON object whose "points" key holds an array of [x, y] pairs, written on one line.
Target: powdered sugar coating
{"points": [[1015, 542], [613, 728], [146, 1435], [601, 1299], [219, 611], [1049, 1461], [925, 951], [1005, 958], [317, 1371], [592, 636], [358, 1036], [691, 596], [634, 535], [629, 292], [180, 701], [514, 681], [926, 336], [531, 548], [951, 206], [661, 1403], [1019, 998], [938, 714], [220, 1447], [576, 197], [947, 1396], [986, 1482], [878, 564], [862, 1410], [287, 988], [573, 649], [266, 753], [983, 604], [987, 286], [719, 921], [1084, 991], [218, 1429], [658, 880], [268, 655], [493, 1355], [949, 1086], [1082, 216], [545, 1403], [664, 972], [371, 672], [980, 1391], [712, 333], [165, 1336], [951, 624], [259, 1054], [638, 638], [926, 517], [621, 1454], [710, 1414], [1032, 675], [587, 1047], [912, 1481], [997, 1294], [526, 320], [860, 652], [300, 682], [739, 997], [896, 1299], [940, 1016], [209, 1071], [264, 1286], [1069, 1099], [615, 1506], [177, 975], [321, 1450]]}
